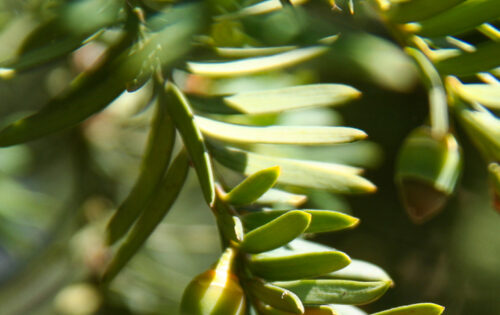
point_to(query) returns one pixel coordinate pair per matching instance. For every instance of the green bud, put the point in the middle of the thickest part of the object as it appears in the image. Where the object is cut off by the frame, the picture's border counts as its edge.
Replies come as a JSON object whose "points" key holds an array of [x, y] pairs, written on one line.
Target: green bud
{"points": [[215, 291], [426, 173]]}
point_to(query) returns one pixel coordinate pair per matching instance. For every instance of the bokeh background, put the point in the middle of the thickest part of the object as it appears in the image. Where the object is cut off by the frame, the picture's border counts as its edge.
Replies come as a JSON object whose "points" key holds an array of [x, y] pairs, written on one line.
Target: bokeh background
{"points": [[57, 193]]}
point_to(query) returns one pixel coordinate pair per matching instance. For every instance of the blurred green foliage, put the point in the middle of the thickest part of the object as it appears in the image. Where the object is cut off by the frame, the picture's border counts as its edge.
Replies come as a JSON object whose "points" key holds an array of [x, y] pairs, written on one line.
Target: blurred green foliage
{"points": [[57, 193]]}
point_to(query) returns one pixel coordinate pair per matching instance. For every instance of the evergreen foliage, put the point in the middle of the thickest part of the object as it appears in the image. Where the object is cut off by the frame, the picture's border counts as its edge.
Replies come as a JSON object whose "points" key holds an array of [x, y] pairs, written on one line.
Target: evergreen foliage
{"points": [[218, 78]]}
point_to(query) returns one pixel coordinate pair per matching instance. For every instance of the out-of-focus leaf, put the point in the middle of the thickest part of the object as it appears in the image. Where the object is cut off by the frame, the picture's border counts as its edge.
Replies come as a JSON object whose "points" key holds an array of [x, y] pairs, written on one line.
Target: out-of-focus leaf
{"points": [[485, 94], [278, 134], [328, 176], [253, 187], [21, 205], [410, 11], [360, 270], [45, 275], [276, 297], [15, 160], [489, 31], [276, 196], [286, 264], [458, 19], [180, 110], [414, 309], [323, 291], [257, 64], [361, 153], [154, 163], [483, 59], [196, 84], [92, 91], [321, 220], [74, 22], [451, 42], [245, 52], [295, 97], [171, 31], [277, 232], [160, 204], [263, 7], [88, 94], [362, 57], [299, 246], [483, 129]]}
